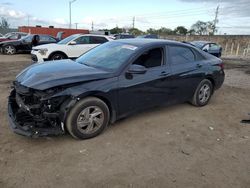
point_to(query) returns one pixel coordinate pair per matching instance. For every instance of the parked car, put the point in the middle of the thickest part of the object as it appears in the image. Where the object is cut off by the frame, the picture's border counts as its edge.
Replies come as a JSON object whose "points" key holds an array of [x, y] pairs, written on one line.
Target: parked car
{"points": [[123, 36], [59, 35], [13, 36], [110, 82], [151, 36], [71, 47], [209, 47], [25, 44]]}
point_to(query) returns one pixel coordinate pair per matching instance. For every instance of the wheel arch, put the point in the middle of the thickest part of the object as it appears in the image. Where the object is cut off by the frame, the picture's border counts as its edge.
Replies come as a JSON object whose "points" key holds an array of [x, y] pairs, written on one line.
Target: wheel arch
{"points": [[102, 96], [211, 79], [59, 52]]}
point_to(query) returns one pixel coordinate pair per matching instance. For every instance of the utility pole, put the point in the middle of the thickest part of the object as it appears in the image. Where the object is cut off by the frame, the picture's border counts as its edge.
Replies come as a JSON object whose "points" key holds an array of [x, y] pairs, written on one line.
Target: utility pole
{"points": [[92, 26], [70, 3], [133, 22], [28, 20], [76, 25], [216, 18]]}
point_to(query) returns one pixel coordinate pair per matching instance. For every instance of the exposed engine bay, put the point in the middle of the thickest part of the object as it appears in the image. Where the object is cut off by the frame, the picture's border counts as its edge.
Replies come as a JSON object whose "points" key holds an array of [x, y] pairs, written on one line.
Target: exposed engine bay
{"points": [[35, 112]]}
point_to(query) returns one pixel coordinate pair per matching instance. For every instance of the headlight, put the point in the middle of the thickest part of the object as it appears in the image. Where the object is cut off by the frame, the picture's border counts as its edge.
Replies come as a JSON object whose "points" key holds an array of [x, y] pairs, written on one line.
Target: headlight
{"points": [[43, 51]]}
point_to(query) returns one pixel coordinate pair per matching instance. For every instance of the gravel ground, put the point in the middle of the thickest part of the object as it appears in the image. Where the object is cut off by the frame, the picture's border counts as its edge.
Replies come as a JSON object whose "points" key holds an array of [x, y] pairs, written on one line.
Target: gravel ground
{"points": [[177, 146]]}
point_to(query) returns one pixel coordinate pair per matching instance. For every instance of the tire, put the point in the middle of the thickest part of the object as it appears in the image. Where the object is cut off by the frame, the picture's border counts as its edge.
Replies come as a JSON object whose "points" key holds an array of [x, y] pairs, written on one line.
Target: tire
{"points": [[9, 50], [88, 113], [57, 56], [203, 93]]}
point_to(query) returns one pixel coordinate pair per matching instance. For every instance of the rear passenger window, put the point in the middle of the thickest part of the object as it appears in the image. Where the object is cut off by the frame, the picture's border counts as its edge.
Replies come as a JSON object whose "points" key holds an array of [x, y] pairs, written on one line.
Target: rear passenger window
{"points": [[180, 55], [98, 40], [151, 58]]}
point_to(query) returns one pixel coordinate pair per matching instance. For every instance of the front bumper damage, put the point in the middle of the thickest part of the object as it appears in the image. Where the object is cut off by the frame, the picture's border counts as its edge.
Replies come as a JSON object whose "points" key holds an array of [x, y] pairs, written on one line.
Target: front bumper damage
{"points": [[33, 119]]}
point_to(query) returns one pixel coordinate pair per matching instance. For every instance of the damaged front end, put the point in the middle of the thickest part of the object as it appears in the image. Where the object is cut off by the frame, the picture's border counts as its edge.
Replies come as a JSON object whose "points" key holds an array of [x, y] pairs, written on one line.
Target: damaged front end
{"points": [[36, 113]]}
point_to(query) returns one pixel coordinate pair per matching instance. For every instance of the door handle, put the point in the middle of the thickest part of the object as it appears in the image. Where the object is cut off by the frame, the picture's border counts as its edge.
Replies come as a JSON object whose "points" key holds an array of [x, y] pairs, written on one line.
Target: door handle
{"points": [[164, 73], [199, 65]]}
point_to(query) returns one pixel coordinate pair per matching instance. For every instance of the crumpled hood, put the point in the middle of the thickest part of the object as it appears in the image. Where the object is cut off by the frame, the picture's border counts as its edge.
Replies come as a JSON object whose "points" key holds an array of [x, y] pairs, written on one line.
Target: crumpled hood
{"points": [[43, 76]]}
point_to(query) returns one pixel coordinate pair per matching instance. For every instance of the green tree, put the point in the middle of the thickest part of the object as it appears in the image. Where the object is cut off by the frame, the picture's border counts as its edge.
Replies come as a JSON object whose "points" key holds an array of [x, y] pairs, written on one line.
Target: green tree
{"points": [[161, 31], [180, 30], [4, 23], [203, 28], [135, 31], [191, 32], [165, 31], [116, 30]]}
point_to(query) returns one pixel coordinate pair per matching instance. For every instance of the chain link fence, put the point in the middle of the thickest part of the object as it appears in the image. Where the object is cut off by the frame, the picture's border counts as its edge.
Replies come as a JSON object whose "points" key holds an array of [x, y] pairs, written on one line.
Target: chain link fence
{"points": [[232, 45]]}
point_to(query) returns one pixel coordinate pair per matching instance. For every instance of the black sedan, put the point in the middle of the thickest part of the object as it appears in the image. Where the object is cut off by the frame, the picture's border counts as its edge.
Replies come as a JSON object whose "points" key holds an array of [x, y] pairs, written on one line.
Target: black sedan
{"points": [[209, 47], [109, 82], [25, 44]]}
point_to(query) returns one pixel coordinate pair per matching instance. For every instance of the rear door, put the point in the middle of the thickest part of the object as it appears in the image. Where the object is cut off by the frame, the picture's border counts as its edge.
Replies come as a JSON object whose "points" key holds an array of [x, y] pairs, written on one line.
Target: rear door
{"points": [[98, 40], [187, 71]]}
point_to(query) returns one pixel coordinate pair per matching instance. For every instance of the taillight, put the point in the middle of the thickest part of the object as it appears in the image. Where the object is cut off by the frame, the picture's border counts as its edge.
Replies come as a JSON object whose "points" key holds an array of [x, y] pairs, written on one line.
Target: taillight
{"points": [[221, 65]]}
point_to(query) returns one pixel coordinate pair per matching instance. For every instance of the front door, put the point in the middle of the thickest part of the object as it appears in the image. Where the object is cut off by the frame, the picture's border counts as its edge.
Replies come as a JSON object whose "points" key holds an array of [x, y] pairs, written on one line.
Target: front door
{"points": [[82, 45], [140, 91]]}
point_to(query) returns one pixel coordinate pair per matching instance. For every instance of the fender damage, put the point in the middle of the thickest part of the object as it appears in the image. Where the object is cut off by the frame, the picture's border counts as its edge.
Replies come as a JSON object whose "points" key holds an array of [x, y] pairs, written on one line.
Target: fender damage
{"points": [[39, 108]]}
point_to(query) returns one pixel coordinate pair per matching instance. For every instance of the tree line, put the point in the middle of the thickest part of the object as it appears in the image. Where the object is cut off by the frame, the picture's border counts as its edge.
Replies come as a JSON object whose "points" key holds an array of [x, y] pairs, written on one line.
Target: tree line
{"points": [[198, 28]]}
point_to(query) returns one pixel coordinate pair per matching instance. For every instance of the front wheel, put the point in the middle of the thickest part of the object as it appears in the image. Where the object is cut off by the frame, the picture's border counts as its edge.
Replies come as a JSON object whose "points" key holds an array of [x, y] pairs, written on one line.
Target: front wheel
{"points": [[9, 50], [57, 56], [88, 118], [203, 93]]}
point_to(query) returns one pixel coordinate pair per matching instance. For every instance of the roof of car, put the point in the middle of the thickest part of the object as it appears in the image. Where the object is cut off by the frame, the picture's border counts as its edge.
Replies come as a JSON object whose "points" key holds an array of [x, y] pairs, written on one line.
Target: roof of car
{"points": [[146, 42], [202, 42], [95, 35]]}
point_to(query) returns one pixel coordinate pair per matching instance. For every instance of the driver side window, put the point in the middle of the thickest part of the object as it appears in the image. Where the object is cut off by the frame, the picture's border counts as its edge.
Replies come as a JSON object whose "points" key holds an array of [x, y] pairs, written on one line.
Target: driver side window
{"points": [[82, 40], [151, 58]]}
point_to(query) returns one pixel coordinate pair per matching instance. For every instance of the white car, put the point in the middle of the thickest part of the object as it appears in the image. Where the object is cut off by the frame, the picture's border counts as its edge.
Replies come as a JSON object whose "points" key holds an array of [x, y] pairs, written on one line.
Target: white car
{"points": [[69, 48]]}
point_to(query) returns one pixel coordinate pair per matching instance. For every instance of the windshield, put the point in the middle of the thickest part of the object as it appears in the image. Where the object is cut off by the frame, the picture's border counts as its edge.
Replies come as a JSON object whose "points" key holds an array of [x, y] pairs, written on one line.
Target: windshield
{"points": [[109, 56], [68, 39]]}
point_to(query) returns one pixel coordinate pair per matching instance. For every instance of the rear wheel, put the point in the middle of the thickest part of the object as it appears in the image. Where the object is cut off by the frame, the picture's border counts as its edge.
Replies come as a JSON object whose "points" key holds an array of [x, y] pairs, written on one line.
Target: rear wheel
{"points": [[88, 118], [203, 93], [9, 50]]}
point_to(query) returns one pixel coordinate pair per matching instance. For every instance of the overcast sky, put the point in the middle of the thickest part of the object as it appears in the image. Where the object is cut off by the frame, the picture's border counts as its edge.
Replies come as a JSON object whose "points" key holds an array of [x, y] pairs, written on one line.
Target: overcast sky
{"points": [[234, 15]]}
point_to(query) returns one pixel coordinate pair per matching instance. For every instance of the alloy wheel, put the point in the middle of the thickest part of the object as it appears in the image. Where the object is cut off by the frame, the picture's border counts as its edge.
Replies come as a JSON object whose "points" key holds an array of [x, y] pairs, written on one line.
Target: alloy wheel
{"points": [[10, 50], [90, 120], [204, 93]]}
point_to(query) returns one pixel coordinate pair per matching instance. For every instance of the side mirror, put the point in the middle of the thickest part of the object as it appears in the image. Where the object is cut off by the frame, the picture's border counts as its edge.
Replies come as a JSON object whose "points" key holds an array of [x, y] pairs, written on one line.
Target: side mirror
{"points": [[205, 50], [137, 69], [72, 43]]}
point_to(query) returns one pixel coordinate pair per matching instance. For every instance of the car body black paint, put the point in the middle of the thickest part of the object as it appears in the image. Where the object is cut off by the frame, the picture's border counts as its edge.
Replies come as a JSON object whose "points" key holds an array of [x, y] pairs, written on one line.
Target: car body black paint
{"points": [[57, 86], [22, 46]]}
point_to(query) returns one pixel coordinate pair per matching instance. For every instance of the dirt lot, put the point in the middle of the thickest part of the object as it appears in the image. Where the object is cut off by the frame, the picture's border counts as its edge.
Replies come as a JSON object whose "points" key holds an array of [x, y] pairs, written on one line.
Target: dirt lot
{"points": [[178, 146]]}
